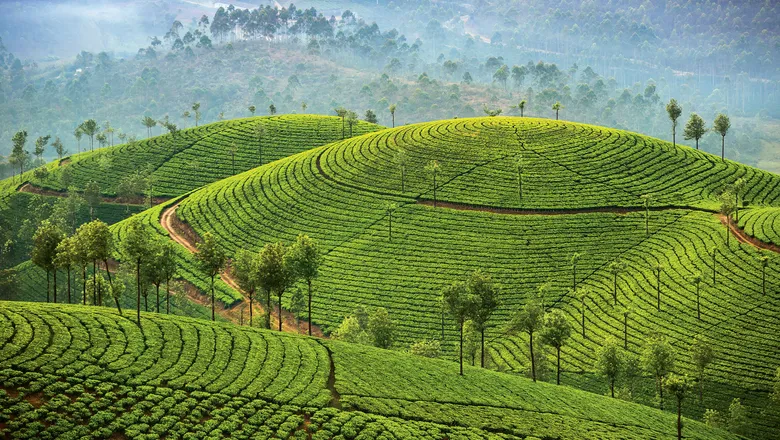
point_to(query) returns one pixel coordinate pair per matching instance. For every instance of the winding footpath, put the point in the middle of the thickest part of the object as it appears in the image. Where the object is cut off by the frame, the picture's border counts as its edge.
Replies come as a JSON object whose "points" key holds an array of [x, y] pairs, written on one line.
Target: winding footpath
{"points": [[184, 235]]}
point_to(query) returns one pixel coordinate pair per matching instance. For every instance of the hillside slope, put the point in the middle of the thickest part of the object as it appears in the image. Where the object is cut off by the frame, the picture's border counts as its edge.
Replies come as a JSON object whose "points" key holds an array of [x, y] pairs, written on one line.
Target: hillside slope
{"points": [[591, 178], [76, 371], [173, 166]]}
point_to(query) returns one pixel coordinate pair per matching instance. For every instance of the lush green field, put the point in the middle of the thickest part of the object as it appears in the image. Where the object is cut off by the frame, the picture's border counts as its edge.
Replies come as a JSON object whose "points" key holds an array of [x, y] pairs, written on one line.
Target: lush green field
{"points": [[337, 193], [762, 223], [174, 165], [76, 372]]}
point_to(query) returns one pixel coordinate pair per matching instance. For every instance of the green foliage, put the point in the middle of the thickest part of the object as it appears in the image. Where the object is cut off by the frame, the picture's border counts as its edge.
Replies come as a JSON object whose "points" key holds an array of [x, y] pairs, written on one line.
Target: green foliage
{"points": [[381, 328], [64, 375]]}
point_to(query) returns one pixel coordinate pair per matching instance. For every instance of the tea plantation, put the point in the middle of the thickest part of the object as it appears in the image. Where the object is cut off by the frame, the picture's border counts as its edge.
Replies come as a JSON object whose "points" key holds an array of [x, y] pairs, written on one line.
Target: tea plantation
{"points": [[73, 372], [517, 198], [337, 195]]}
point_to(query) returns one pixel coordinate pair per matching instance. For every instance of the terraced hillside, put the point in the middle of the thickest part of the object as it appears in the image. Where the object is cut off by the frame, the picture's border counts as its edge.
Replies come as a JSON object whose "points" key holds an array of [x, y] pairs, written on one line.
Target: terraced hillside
{"points": [[90, 373], [174, 165], [591, 178]]}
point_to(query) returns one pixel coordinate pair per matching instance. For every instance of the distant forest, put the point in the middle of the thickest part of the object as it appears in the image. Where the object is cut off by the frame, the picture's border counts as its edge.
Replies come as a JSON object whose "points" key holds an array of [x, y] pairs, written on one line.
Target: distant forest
{"points": [[448, 60]]}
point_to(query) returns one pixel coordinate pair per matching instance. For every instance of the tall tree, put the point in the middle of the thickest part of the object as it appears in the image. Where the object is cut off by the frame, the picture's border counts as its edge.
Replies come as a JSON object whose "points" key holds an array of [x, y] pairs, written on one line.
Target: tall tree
{"points": [[381, 328], [252, 109], [582, 294], [341, 112], [392, 113], [92, 196], [149, 123], [702, 356], [557, 107], [40, 147], [58, 147], [721, 126], [65, 258], [155, 271], [694, 129], [673, 110], [244, 270], [390, 208], [351, 121], [738, 188], [458, 304], [658, 359], [305, 258], [555, 332], [44, 251], [211, 260], [370, 117], [90, 128], [483, 293], [196, 112], [609, 362], [658, 269], [99, 245], [271, 109], [401, 159], [169, 266], [696, 280], [521, 106], [137, 246], [616, 268], [678, 386], [575, 258], [78, 134], [433, 169], [19, 156], [529, 319]]}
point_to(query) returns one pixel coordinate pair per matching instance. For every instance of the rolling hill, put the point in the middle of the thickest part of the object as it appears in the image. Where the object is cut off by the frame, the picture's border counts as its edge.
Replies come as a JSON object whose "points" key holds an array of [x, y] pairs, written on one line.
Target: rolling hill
{"points": [[69, 371], [174, 165], [591, 178], [582, 192]]}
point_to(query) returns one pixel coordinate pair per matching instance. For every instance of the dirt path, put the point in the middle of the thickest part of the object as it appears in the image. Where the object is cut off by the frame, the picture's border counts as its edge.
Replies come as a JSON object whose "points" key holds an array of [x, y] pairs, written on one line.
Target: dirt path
{"points": [[743, 237], [32, 189], [183, 234]]}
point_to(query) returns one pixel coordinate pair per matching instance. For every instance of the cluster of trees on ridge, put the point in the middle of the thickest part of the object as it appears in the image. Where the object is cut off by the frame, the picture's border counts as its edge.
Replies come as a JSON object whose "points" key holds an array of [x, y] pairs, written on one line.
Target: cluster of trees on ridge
{"points": [[427, 87]]}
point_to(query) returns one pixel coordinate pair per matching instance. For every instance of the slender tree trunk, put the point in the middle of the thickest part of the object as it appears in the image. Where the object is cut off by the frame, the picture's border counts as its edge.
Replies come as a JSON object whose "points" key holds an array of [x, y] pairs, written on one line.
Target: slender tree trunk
{"points": [[763, 280], [48, 287], [94, 283], [393, 115], [661, 390], [146, 300], [251, 305], [308, 282], [281, 292], [697, 143], [612, 386], [461, 347], [268, 308], [167, 297], [625, 332], [574, 277], [138, 290], [614, 289], [84, 284], [698, 303], [674, 137], [434, 190], [533, 359], [157, 309], [55, 285], [212, 298], [558, 381], [679, 419], [482, 350], [723, 148], [69, 298]]}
